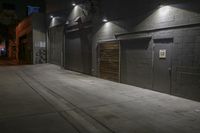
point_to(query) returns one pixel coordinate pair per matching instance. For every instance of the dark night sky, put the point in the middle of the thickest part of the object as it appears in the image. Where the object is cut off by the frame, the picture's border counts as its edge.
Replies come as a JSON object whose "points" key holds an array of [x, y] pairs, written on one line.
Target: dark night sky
{"points": [[19, 12], [21, 5], [55, 5]]}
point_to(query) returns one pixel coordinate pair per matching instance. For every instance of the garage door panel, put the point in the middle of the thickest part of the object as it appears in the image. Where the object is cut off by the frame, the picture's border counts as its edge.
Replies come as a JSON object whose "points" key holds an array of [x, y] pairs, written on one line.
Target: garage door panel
{"points": [[136, 63]]}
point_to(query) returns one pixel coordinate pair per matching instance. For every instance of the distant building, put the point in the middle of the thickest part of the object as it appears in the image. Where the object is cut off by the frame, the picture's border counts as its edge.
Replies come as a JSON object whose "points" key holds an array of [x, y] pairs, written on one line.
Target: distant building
{"points": [[20, 7], [11, 13], [31, 40]]}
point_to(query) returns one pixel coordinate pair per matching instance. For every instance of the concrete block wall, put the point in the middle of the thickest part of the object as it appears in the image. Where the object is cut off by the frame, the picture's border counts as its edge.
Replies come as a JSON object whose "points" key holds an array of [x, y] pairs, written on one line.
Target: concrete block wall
{"points": [[170, 16], [181, 22], [185, 63], [181, 19], [174, 15], [134, 23]]}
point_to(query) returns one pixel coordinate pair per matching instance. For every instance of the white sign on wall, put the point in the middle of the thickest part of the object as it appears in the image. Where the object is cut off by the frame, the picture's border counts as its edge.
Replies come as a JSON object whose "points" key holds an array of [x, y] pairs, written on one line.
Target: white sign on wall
{"points": [[40, 44], [162, 53]]}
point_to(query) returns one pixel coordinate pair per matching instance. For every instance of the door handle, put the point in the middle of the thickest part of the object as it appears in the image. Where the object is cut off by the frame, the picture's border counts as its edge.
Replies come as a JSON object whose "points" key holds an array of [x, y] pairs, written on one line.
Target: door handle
{"points": [[170, 70]]}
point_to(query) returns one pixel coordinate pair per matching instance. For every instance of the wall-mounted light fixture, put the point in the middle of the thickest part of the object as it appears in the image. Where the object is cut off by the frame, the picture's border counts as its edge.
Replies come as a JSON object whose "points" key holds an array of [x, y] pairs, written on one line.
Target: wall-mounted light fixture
{"points": [[73, 4], [51, 17], [105, 20], [67, 22]]}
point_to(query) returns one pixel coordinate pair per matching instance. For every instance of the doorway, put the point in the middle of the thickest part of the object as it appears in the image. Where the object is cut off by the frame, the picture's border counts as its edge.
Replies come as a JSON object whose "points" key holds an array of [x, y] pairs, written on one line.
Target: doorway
{"points": [[109, 60], [162, 68], [25, 50]]}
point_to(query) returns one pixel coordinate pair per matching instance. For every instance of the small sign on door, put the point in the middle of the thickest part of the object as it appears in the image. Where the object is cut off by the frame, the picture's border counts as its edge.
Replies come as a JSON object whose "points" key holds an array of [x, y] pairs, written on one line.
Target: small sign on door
{"points": [[162, 53]]}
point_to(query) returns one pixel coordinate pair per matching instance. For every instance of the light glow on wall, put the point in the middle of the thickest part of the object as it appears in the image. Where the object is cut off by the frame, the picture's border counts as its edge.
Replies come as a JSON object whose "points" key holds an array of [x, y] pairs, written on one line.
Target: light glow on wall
{"points": [[53, 21], [107, 28], [76, 12], [164, 10]]}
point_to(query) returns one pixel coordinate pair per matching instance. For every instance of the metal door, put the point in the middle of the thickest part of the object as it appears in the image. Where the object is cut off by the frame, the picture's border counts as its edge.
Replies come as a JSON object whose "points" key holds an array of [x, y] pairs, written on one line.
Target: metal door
{"points": [[162, 67], [55, 45]]}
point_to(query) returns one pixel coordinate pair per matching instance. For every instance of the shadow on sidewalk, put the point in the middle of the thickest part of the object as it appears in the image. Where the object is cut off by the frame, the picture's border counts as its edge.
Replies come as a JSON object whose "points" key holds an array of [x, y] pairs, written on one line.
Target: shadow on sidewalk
{"points": [[5, 61]]}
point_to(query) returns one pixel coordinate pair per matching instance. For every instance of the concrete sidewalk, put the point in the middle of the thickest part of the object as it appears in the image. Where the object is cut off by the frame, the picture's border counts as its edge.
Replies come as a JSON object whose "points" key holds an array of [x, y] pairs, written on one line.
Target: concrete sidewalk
{"points": [[47, 99]]}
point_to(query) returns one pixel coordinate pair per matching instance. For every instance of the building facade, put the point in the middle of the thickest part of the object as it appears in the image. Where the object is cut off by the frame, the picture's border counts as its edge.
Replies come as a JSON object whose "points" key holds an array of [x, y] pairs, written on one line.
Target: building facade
{"points": [[11, 13], [31, 40], [149, 44]]}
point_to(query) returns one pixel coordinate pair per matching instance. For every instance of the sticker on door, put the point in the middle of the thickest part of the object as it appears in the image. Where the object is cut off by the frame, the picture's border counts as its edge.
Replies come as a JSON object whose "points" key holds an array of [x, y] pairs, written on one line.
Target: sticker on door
{"points": [[162, 53]]}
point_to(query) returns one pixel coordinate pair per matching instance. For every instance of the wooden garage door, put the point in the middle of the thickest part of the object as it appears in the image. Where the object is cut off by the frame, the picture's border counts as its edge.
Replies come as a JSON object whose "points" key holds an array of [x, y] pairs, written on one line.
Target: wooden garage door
{"points": [[109, 61]]}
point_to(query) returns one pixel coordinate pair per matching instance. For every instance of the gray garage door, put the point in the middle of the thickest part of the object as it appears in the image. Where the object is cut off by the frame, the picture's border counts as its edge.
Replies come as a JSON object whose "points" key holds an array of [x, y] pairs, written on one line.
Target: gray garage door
{"points": [[78, 52], [55, 44], [136, 62]]}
